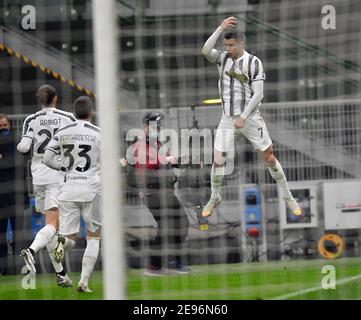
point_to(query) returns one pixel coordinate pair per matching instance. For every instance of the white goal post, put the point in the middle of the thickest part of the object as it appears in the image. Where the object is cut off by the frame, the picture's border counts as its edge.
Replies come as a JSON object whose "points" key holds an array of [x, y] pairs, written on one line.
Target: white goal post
{"points": [[106, 68]]}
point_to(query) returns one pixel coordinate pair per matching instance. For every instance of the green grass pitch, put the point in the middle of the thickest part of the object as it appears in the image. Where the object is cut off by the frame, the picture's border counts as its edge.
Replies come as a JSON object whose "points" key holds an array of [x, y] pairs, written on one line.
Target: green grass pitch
{"points": [[297, 279]]}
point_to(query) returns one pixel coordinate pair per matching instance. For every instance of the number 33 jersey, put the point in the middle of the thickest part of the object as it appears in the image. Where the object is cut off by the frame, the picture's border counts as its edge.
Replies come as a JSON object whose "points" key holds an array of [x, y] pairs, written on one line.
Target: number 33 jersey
{"points": [[41, 127], [79, 146]]}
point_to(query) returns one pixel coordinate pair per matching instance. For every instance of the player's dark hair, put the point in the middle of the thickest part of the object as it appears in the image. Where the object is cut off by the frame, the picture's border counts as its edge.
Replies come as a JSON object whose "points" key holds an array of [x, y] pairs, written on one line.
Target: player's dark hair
{"points": [[235, 34], [45, 95], [83, 107]]}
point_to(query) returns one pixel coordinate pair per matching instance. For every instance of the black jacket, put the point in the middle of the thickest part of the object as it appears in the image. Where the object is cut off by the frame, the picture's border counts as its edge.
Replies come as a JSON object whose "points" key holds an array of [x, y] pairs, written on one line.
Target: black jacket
{"points": [[7, 167]]}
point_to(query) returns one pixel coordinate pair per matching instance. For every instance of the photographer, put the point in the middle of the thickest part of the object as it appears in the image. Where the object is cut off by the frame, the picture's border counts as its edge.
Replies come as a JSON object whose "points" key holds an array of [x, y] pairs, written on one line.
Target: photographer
{"points": [[155, 184]]}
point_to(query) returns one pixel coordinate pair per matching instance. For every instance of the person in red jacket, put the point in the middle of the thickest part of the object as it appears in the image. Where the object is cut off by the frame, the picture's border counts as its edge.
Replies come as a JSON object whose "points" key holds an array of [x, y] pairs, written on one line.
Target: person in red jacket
{"points": [[154, 179]]}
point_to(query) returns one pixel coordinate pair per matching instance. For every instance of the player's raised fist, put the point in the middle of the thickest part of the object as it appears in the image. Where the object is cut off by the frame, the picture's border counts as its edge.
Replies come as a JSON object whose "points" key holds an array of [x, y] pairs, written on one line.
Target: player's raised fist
{"points": [[229, 22]]}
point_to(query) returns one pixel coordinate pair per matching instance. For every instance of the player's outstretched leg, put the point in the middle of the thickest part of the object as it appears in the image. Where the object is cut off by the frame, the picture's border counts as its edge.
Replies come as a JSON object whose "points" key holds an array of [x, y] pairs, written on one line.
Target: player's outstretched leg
{"points": [[42, 238], [28, 256], [278, 175], [46, 237], [217, 174], [89, 259], [62, 279], [59, 252]]}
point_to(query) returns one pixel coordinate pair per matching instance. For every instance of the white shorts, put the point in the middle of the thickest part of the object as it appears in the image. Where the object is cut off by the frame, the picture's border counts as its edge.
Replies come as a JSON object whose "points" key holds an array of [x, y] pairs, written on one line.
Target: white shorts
{"points": [[46, 196], [255, 131], [70, 212]]}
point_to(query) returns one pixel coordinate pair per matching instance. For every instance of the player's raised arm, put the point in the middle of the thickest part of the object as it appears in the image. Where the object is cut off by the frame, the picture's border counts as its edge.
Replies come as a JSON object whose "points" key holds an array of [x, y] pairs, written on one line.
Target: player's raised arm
{"points": [[208, 50]]}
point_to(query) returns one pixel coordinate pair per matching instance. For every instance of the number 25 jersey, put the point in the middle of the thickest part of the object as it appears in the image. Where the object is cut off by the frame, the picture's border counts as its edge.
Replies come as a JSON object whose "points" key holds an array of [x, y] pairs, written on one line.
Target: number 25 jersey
{"points": [[41, 127]]}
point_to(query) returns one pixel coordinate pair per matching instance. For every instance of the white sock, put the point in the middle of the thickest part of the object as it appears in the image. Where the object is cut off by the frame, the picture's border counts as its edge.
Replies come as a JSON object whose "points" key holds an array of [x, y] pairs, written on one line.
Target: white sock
{"points": [[89, 259], [69, 244], [217, 174], [279, 176], [50, 247], [43, 237]]}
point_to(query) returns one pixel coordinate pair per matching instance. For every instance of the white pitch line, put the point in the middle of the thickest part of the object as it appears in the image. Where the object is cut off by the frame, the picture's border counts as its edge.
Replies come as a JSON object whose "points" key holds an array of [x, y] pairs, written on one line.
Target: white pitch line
{"points": [[298, 293]]}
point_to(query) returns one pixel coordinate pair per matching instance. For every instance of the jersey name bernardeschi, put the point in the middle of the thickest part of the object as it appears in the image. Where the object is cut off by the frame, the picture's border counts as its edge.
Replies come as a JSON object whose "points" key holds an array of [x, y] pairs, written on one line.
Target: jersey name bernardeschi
{"points": [[79, 146]]}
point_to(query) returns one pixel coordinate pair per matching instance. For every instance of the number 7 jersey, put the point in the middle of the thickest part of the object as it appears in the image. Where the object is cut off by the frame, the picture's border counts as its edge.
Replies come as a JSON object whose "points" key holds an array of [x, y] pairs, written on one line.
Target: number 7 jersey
{"points": [[41, 127], [79, 146]]}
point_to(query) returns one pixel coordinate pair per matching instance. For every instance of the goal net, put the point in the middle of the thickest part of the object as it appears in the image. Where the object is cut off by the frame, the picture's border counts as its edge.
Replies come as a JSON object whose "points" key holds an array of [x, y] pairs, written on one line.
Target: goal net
{"points": [[157, 103]]}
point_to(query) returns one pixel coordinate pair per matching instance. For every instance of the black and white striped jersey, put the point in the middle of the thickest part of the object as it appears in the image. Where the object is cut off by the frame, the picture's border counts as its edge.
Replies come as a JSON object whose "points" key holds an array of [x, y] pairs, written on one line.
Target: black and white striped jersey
{"points": [[235, 80]]}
